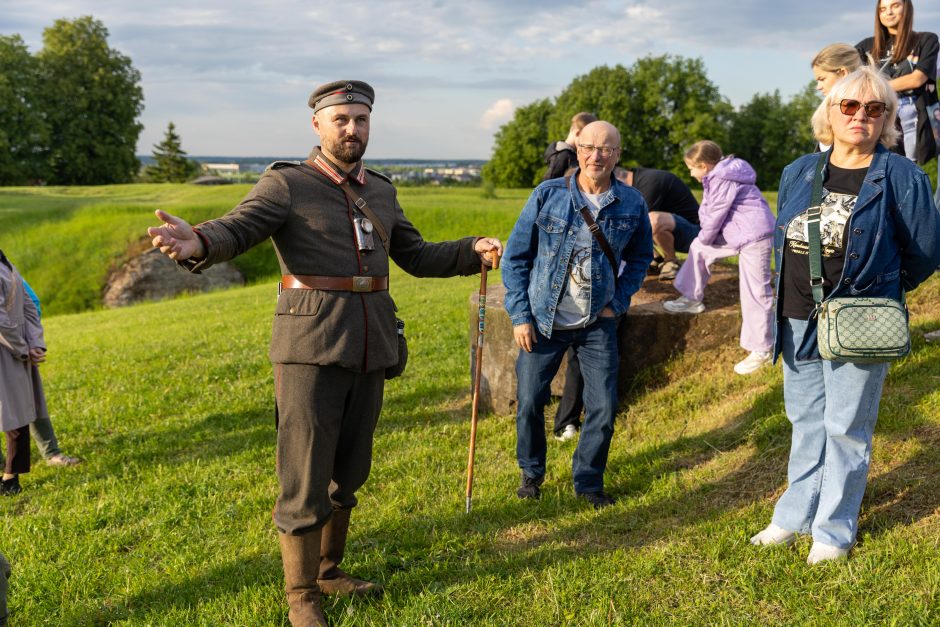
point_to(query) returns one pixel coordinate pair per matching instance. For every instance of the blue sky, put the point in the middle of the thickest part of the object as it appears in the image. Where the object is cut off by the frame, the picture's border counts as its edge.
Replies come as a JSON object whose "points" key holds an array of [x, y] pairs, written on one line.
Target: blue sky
{"points": [[234, 76]]}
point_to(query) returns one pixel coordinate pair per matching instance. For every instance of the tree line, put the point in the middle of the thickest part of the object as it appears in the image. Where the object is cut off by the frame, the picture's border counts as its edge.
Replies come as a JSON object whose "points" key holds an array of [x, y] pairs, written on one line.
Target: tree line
{"points": [[69, 113], [661, 105]]}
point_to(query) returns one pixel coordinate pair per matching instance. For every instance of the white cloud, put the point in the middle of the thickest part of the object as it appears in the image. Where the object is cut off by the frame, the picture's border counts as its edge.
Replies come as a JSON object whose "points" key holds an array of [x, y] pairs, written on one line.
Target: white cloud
{"points": [[255, 67], [499, 113]]}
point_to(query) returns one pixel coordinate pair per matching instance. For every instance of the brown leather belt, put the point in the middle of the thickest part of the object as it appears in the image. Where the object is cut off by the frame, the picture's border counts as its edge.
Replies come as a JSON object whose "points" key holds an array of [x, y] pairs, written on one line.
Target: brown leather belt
{"points": [[334, 283]]}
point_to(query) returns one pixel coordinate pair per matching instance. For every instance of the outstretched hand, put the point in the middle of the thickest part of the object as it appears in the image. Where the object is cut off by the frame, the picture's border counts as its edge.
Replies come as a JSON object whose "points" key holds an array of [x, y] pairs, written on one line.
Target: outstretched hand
{"points": [[176, 238], [490, 250]]}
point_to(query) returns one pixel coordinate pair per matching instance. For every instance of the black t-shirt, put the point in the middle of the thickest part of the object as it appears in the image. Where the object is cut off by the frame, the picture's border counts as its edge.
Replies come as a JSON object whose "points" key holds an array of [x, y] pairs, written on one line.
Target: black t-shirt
{"points": [[922, 56], [664, 191], [840, 191]]}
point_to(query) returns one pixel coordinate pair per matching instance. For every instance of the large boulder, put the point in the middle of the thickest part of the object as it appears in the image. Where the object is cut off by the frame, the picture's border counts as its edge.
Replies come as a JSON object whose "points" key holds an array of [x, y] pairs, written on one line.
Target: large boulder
{"points": [[153, 276], [648, 335]]}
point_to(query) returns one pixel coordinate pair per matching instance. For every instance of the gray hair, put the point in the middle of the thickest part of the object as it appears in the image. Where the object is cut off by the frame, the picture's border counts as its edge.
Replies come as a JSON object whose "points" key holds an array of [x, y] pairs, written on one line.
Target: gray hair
{"points": [[864, 80]]}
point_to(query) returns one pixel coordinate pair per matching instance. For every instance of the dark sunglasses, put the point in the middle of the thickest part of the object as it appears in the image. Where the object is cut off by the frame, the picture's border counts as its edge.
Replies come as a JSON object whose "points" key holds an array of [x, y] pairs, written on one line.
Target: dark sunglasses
{"points": [[873, 109]]}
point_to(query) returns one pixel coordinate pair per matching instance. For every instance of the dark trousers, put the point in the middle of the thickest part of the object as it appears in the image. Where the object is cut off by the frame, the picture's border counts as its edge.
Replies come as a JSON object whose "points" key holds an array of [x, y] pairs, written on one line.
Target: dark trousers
{"points": [[596, 346], [17, 461], [326, 421], [572, 396]]}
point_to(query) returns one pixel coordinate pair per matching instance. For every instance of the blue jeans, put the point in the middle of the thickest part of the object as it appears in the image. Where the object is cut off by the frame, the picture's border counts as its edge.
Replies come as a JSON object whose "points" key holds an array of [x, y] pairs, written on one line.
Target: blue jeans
{"points": [[833, 407], [907, 113], [684, 233], [596, 349]]}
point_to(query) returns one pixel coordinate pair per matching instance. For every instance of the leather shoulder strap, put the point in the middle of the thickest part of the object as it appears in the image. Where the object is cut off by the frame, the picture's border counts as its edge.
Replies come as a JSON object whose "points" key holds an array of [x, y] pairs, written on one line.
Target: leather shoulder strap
{"points": [[361, 205]]}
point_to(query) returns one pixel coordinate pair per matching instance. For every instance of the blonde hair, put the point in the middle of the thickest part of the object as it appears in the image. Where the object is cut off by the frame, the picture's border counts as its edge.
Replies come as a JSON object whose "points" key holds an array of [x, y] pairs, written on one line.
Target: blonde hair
{"points": [[580, 120], [835, 57], [861, 81], [705, 151]]}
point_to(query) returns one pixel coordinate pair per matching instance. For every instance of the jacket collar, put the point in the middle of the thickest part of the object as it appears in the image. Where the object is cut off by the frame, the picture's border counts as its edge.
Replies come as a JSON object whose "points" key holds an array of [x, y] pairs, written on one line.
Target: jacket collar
{"points": [[577, 196], [333, 172]]}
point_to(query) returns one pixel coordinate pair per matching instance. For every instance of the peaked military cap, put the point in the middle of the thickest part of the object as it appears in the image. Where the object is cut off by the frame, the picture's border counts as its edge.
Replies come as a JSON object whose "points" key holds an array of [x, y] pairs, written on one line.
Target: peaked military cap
{"points": [[341, 92]]}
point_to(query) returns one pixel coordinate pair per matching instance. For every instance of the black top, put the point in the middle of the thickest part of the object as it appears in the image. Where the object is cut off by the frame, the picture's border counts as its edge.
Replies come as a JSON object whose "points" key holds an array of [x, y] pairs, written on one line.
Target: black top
{"points": [[840, 191], [664, 191], [560, 157], [922, 56]]}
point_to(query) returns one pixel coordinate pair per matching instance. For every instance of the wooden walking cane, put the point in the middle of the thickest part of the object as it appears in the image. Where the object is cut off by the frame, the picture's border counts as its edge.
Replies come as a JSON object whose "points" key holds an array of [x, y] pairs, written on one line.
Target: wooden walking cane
{"points": [[476, 387]]}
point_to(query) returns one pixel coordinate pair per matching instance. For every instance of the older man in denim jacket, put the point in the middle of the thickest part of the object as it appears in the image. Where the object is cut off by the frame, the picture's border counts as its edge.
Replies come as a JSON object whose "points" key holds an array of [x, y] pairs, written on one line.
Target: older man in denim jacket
{"points": [[562, 291]]}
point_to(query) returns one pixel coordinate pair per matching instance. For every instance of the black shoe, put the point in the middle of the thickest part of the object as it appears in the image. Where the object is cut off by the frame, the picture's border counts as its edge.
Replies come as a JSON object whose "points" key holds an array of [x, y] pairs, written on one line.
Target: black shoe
{"points": [[599, 500], [529, 488], [9, 487], [655, 266]]}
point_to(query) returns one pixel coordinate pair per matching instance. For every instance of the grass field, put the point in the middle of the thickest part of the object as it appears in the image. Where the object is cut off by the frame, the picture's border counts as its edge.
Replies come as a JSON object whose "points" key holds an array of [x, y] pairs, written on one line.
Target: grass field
{"points": [[168, 520]]}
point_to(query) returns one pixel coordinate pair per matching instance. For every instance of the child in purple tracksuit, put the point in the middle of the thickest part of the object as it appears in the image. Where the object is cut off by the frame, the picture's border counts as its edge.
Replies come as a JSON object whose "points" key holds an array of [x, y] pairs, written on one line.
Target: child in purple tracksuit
{"points": [[735, 220]]}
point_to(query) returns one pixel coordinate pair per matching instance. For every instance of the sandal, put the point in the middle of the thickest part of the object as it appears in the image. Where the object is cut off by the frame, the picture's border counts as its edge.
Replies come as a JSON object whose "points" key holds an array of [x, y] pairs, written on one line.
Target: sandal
{"points": [[62, 459]]}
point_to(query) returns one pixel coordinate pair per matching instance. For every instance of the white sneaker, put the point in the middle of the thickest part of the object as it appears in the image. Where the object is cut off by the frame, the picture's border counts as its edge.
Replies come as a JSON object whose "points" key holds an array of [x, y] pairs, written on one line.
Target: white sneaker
{"points": [[570, 432], [825, 553], [774, 535], [752, 362], [684, 305]]}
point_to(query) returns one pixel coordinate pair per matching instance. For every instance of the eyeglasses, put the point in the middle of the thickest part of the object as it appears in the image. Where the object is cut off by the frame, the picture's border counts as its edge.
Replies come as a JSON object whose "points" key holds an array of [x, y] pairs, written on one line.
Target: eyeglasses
{"points": [[605, 151], [873, 109]]}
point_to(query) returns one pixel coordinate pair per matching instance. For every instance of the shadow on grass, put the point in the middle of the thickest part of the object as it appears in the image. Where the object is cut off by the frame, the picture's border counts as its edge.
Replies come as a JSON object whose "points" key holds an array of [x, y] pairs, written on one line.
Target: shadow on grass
{"points": [[232, 578], [214, 436]]}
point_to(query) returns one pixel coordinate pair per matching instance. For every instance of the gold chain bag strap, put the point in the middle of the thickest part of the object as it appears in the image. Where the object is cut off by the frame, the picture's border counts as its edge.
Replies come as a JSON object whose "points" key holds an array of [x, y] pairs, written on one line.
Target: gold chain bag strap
{"points": [[856, 329], [392, 371]]}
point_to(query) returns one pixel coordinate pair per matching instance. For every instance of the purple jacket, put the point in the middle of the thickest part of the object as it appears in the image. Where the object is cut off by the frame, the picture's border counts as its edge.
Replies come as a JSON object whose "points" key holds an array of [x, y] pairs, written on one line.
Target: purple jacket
{"points": [[733, 213]]}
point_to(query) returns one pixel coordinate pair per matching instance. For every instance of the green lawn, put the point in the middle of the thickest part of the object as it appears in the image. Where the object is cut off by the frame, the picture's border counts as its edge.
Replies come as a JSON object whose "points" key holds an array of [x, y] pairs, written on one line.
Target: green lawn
{"points": [[168, 521]]}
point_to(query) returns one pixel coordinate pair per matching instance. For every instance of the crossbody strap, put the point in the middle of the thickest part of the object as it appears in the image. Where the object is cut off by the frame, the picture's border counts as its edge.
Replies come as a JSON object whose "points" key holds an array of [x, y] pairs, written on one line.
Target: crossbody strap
{"points": [[813, 215], [596, 231], [361, 205]]}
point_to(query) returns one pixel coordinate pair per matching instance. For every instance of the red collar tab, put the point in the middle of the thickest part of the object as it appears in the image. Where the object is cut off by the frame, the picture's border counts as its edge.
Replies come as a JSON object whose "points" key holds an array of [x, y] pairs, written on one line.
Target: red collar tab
{"points": [[336, 175]]}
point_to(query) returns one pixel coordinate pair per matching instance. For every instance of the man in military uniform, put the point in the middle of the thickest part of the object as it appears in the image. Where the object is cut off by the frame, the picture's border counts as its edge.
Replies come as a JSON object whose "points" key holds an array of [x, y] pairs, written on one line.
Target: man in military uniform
{"points": [[335, 330]]}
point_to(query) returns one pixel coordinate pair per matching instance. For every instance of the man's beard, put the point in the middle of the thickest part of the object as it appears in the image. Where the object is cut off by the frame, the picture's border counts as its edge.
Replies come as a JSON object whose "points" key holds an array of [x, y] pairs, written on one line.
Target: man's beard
{"points": [[347, 151]]}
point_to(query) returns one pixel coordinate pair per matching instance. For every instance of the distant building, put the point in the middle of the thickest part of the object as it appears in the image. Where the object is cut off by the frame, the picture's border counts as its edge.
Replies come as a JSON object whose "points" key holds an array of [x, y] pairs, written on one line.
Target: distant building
{"points": [[222, 169]]}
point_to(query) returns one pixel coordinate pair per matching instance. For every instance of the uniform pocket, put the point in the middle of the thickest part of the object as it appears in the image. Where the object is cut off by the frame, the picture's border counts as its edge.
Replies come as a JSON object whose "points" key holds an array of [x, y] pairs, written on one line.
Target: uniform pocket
{"points": [[298, 303]]}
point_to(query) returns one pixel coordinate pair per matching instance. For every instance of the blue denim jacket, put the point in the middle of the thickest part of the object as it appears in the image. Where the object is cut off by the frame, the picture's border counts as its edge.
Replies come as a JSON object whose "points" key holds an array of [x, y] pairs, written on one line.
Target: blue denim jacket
{"points": [[892, 237], [535, 263]]}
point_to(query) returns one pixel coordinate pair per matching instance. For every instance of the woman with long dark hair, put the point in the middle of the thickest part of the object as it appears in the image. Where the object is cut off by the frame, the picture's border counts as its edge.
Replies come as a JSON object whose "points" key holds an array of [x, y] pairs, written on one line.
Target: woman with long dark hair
{"points": [[909, 60]]}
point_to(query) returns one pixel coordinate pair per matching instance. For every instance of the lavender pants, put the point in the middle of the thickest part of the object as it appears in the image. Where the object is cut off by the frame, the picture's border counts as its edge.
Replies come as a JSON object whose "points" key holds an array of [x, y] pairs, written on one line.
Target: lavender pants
{"points": [[757, 299]]}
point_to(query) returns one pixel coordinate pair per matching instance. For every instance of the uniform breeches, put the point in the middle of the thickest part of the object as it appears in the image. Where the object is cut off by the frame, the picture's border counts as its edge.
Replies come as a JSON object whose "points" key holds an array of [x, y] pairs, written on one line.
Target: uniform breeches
{"points": [[326, 421]]}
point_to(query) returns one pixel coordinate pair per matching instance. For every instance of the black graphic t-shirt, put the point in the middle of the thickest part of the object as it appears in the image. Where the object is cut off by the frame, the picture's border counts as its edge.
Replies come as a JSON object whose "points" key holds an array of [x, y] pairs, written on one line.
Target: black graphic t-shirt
{"points": [[922, 56], [840, 191]]}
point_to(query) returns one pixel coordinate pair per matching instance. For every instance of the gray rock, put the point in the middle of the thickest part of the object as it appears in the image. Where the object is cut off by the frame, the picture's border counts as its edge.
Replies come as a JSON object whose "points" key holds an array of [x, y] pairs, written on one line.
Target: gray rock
{"points": [[153, 276]]}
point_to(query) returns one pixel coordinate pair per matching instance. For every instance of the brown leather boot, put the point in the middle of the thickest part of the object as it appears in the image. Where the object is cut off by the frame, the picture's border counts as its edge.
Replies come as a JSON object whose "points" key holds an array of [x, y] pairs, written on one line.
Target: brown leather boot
{"points": [[332, 579], [301, 558]]}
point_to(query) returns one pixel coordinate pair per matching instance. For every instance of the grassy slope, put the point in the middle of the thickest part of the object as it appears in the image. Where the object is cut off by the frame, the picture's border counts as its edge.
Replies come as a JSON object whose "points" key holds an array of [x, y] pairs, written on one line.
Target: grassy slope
{"points": [[167, 522], [66, 241]]}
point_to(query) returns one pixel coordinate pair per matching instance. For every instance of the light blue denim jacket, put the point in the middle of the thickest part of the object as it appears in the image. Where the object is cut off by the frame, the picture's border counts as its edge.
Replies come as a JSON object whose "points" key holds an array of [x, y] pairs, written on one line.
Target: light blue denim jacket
{"points": [[892, 237], [535, 263]]}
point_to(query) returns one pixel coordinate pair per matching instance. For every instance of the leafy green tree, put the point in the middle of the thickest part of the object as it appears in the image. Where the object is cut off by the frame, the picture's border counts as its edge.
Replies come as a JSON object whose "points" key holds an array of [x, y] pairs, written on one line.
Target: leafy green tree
{"points": [[171, 166], [519, 146], [769, 133], [659, 104], [92, 99], [24, 134]]}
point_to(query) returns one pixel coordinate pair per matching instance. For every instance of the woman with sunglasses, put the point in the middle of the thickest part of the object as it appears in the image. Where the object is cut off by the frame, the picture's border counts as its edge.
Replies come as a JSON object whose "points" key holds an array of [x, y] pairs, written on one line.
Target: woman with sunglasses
{"points": [[879, 235], [909, 60]]}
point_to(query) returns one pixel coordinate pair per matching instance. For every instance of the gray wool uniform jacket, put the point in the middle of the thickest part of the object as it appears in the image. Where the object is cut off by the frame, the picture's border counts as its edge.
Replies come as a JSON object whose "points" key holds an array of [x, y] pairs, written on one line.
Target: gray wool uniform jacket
{"points": [[310, 221]]}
